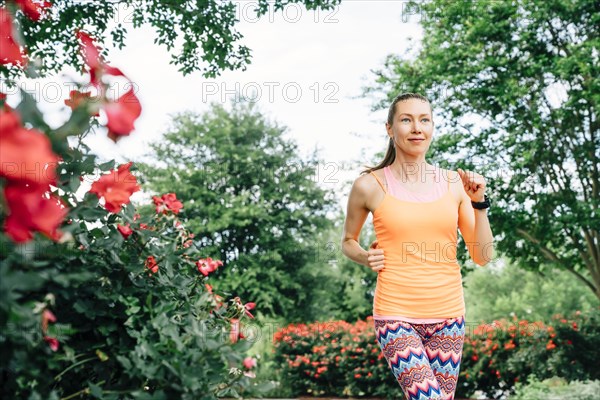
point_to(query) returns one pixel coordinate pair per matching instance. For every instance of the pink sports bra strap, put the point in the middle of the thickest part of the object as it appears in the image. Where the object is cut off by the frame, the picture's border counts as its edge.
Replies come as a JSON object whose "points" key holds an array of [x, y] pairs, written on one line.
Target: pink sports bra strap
{"points": [[378, 181]]}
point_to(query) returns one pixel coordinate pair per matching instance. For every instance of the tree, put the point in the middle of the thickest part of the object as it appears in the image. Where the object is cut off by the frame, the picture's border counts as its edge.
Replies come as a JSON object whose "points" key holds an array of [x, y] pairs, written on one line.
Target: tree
{"points": [[253, 198], [529, 71], [206, 29], [496, 293]]}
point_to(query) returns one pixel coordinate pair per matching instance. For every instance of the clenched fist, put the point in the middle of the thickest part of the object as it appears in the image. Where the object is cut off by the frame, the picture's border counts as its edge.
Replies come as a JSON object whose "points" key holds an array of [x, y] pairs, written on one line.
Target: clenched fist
{"points": [[375, 257]]}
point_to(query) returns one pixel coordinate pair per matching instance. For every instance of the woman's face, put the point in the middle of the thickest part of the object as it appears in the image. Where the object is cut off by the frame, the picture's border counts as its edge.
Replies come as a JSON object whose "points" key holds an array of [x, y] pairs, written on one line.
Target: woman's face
{"points": [[412, 121]]}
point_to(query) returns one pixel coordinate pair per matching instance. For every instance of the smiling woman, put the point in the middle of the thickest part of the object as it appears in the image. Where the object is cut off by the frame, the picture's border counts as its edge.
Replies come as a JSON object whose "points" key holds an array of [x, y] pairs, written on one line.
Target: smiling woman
{"points": [[418, 307]]}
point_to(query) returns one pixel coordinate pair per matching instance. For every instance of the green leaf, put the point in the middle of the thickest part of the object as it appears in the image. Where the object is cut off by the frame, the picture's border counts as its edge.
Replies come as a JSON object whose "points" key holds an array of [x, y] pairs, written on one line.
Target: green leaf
{"points": [[29, 111], [107, 166], [124, 362], [95, 390]]}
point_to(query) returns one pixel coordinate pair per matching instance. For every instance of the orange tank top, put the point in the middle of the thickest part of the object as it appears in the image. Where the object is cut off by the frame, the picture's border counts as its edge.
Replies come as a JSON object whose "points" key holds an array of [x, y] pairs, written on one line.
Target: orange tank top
{"points": [[422, 277]]}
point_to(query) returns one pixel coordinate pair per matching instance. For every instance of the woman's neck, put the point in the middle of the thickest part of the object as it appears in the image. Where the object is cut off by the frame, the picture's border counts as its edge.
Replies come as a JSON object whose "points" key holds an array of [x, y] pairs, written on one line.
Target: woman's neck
{"points": [[412, 171]]}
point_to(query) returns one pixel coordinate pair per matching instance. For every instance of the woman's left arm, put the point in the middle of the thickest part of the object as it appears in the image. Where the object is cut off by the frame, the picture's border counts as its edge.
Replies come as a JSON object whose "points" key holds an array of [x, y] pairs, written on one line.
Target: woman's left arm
{"points": [[474, 224]]}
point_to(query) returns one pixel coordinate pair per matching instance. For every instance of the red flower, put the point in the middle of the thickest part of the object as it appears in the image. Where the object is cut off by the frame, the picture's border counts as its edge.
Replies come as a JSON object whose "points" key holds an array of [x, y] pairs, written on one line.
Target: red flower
{"points": [[122, 114], [116, 187], [52, 342], [93, 59], [47, 316], [125, 231], [248, 307], [10, 51], [33, 9], [151, 264], [172, 203], [249, 362], [550, 345], [32, 209], [77, 99], [168, 202], [26, 154], [510, 345], [208, 265]]}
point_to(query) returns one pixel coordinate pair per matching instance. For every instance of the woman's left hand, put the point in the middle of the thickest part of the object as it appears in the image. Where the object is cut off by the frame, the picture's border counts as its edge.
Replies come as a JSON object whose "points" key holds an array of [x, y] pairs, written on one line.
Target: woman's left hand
{"points": [[474, 184]]}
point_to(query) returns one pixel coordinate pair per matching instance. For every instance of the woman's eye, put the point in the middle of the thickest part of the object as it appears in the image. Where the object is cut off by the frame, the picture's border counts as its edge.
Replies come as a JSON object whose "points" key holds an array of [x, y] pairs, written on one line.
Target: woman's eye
{"points": [[404, 119], [425, 119]]}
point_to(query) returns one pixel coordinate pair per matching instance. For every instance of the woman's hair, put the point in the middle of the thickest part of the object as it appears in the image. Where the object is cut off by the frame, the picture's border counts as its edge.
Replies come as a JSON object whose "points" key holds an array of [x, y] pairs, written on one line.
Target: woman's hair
{"points": [[390, 154]]}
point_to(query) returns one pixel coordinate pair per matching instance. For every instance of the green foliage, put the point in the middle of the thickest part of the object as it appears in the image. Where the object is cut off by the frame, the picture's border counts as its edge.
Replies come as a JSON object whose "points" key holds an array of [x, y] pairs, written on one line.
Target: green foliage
{"points": [[557, 389], [199, 35], [495, 293], [122, 331], [255, 201], [336, 358], [528, 71], [498, 355]]}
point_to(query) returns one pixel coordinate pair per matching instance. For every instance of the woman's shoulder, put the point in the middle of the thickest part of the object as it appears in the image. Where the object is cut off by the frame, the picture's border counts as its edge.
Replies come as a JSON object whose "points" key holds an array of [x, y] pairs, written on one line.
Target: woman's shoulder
{"points": [[366, 182]]}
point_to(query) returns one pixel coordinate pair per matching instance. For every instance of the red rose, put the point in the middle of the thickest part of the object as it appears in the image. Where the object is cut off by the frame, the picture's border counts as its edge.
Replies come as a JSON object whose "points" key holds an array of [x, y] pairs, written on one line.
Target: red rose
{"points": [[172, 203], [26, 154], [151, 264], [10, 51], [250, 362], [93, 59], [116, 187], [121, 115], [122, 112], [125, 231], [208, 265], [77, 99], [167, 202], [47, 317], [32, 209], [52, 342]]}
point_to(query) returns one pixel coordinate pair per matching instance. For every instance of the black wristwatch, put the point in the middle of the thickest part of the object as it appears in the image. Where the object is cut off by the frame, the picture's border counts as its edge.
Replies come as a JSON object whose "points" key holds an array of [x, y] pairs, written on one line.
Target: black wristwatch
{"points": [[480, 205]]}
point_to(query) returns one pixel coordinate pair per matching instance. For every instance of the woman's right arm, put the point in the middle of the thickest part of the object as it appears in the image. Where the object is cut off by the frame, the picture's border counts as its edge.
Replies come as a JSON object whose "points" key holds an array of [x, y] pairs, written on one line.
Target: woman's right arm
{"points": [[356, 215]]}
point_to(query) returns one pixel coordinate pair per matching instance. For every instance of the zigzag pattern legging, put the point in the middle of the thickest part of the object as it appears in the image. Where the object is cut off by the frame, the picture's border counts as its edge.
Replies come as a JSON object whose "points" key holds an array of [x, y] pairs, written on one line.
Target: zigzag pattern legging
{"points": [[425, 358]]}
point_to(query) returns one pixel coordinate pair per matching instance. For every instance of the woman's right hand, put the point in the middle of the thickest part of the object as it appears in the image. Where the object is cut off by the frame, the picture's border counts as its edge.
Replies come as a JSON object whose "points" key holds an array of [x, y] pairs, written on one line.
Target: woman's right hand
{"points": [[375, 257]]}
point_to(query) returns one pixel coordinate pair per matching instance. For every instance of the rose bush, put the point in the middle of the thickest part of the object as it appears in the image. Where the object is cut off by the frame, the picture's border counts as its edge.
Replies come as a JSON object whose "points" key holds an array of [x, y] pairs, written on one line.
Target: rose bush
{"points": [[498, 355], [99, 297], [340, 359]]}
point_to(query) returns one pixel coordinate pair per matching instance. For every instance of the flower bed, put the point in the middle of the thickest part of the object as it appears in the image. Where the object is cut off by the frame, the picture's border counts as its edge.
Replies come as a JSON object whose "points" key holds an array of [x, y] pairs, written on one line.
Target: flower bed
{"points": [[337, 358]]}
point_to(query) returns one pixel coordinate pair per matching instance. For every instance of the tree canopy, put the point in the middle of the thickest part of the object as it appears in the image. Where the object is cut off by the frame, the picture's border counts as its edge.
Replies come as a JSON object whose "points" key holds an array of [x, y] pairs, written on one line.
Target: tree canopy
{"points": [[528, 70], [252, 199], [199, 35]]}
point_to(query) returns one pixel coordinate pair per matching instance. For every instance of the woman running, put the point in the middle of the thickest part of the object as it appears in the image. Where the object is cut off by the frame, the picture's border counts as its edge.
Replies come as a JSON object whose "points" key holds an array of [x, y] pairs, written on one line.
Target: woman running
{"points": [[418, 308]]}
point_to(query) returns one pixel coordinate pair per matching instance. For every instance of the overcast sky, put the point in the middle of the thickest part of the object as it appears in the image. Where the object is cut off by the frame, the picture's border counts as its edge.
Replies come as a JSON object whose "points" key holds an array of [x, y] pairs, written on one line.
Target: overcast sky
{"points": [[307, 66]]}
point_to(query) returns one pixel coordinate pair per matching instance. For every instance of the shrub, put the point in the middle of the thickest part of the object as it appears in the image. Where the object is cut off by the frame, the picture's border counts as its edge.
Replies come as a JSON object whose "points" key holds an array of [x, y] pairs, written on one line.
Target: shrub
{"points": [[499, 355], [97, 297], [340, 359], [557, 389], [333, 358]]}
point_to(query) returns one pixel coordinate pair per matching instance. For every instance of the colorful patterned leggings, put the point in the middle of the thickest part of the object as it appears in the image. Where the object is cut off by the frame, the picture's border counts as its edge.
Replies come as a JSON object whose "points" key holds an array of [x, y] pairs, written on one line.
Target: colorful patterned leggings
{"points": [[425, 358]]}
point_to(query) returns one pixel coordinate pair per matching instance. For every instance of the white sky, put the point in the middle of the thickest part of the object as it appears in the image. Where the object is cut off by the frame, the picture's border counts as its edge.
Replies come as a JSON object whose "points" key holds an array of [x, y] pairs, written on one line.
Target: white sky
{"points": [[329, 50]]}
